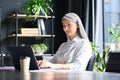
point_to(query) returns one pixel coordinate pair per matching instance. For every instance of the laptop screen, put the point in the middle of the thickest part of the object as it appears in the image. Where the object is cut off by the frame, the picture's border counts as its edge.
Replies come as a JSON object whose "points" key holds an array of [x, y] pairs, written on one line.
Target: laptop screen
{"points": [[22, 51]]}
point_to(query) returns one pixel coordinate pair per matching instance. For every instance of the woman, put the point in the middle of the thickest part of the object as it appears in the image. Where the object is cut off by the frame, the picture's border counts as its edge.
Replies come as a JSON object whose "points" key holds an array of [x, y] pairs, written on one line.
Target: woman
{"points": [[76, 52]]}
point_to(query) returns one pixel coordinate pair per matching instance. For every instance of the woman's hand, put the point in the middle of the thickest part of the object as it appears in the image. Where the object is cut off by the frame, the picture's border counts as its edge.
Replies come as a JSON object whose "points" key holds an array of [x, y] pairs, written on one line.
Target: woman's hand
{"points": [[46, 64]]}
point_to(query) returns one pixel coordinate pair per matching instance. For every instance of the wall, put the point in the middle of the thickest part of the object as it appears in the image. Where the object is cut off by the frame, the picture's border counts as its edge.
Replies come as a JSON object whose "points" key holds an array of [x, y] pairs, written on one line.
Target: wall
{"points": [[60, 8], [8, 7]]}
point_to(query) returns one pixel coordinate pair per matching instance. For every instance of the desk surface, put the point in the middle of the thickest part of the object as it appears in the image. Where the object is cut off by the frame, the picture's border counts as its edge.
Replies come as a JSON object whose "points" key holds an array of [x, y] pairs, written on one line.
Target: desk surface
{"points": [[57, 75]]}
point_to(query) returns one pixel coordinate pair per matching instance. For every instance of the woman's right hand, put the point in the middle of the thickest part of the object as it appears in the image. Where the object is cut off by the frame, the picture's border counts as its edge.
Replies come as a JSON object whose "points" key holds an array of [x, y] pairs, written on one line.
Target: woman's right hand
{"points": [[45, 64]]}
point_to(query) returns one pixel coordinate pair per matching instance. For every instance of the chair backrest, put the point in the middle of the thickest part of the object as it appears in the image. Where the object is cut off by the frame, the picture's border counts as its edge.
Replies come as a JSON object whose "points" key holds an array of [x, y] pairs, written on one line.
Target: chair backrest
{"points": [[91, 63], [113, 64]]}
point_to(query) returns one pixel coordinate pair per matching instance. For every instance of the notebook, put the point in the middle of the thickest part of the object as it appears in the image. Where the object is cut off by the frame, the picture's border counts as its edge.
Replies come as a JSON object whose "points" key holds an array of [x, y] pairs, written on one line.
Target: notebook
{"points": [[22, 51]]}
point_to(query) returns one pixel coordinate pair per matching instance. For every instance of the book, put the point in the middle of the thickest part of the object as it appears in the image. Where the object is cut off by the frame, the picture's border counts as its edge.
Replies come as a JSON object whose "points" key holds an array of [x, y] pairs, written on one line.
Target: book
{"points": [[28, 31], [39, 27], [42, 26]]}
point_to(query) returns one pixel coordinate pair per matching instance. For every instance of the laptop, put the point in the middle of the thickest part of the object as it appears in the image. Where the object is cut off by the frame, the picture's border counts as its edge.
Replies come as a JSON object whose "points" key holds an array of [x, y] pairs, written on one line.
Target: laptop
{"points": [[22, 51]]}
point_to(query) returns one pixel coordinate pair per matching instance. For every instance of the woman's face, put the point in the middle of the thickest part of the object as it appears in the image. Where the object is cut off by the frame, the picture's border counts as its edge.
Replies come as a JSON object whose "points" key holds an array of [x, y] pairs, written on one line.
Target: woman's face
{"points": [[70, 28]]}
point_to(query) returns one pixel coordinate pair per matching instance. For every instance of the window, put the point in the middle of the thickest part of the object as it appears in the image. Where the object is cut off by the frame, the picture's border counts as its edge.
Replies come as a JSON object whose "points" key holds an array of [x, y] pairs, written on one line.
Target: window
{"points": [[111, 17]]}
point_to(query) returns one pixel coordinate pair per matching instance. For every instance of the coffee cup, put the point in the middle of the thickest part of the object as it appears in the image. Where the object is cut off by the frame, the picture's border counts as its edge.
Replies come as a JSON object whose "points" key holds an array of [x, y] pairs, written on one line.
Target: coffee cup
{"points": [[24, 64]]}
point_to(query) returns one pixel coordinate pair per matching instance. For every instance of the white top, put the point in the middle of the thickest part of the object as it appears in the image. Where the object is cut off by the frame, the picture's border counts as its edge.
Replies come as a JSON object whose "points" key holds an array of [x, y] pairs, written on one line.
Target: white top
{"points": [[76, 53]]}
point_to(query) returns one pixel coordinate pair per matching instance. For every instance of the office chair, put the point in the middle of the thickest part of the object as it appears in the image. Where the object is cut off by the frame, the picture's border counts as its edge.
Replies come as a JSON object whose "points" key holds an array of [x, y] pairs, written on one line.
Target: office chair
{"points": [[91, 63], [113, 64]]}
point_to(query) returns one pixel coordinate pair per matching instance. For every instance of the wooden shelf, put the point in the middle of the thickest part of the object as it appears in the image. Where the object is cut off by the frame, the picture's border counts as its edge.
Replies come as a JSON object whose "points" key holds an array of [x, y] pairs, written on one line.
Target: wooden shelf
{"points": [[31, 16], [31, 35], [18, 35]]}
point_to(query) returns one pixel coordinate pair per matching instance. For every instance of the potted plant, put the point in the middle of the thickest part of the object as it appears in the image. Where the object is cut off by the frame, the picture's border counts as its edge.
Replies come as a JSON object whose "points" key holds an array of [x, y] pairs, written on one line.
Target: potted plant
{"points": [[101, 58], [38, 7], [40, 48], [115, 33]]}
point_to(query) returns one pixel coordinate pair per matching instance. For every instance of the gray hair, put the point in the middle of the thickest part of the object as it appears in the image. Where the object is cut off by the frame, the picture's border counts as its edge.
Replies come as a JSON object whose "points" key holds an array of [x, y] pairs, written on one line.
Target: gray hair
{"points": [[75, 18]]}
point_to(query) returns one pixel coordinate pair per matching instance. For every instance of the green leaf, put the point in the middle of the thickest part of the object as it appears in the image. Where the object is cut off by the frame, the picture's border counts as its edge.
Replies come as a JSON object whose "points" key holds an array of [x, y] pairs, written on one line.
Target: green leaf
{"points": [[117, 26], [111, 31], [44, 47]]}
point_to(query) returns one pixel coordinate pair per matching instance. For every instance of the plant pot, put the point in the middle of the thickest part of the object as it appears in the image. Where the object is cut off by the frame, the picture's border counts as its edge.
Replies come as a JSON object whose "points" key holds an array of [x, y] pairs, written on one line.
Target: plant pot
{"points": [[117, 46], [39, 51], [111, 46]]}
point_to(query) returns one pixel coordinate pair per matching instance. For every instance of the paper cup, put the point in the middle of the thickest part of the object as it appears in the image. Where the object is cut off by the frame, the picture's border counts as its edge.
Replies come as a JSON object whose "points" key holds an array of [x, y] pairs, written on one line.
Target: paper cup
{"points": [[24, 64]]}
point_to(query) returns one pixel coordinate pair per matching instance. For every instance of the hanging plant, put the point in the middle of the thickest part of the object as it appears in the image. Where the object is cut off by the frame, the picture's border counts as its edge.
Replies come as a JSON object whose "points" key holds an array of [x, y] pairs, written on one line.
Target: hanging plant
{"points": [[37, 7]]}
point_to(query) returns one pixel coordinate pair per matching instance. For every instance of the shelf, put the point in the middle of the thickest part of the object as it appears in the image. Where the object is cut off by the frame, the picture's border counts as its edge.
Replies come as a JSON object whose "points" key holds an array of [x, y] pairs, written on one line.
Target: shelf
{"points": [[18, 35], [31, 16], [31, 35]]}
